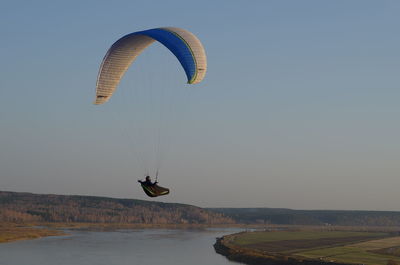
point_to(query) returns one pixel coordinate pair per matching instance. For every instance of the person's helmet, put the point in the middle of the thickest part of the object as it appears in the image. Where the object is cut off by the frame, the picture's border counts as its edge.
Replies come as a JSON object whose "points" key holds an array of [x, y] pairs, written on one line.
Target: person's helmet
{"points": [[147, 177]]}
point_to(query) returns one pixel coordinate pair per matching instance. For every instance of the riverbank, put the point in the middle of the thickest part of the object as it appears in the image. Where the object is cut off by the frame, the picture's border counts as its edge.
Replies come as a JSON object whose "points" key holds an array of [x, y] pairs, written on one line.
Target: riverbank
{"points": [[305, 247], [10, 232], [235, 253]]}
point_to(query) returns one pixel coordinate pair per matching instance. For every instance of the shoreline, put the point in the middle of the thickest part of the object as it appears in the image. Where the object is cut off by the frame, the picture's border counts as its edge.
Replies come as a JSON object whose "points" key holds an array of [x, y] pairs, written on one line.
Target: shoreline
{"points": [[11, 232], [224, 247]]}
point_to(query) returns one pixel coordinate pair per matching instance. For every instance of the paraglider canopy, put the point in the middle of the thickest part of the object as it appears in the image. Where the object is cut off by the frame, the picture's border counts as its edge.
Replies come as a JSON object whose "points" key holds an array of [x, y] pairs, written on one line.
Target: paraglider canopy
{"points": [[183, 44]]}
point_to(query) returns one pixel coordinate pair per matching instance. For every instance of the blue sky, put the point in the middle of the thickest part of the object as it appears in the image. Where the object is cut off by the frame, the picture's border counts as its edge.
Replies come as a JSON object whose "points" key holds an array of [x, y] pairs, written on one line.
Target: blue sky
{"points": [[299, 108]]}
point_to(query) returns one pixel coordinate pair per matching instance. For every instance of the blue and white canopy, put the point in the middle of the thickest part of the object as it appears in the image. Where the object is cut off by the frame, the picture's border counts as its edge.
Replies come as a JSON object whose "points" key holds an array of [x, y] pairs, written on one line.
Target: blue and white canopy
{"points": [[183, 44]]}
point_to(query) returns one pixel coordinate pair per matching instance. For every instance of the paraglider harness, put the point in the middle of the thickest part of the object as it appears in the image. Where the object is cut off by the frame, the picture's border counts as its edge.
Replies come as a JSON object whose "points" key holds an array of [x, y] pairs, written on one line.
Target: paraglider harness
{"points": [[152, 189]]}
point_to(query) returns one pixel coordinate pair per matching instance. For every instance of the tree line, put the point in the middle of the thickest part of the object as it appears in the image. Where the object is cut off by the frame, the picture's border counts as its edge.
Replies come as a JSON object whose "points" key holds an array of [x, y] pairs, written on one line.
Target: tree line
{"points": [[28, 207], [311, 217]]}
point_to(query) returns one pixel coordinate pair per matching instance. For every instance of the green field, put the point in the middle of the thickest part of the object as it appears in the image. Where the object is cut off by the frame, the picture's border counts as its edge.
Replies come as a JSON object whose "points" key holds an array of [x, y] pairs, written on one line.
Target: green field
{"points": [[369, 248], [259, 237], [362, 253]]}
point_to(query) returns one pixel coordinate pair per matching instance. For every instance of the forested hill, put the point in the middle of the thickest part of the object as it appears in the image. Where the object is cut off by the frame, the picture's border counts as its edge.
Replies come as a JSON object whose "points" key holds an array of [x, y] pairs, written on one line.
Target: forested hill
{"points": [[28, 207], [310, 217]]}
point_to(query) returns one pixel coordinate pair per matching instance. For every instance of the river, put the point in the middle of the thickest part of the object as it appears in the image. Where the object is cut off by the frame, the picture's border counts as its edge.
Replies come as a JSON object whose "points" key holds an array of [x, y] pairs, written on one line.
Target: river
{"points": [[123, 247]]}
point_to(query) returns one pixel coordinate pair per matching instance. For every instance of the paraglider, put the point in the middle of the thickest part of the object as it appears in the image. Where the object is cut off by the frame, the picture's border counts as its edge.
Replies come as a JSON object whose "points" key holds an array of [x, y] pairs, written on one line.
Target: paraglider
{"points": [[186, 47], [152, 189]]}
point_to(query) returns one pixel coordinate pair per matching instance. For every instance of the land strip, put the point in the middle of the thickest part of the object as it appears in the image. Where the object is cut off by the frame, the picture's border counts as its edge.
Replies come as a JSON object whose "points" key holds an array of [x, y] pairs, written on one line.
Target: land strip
{"points": [[311, 247], [12, 232]]}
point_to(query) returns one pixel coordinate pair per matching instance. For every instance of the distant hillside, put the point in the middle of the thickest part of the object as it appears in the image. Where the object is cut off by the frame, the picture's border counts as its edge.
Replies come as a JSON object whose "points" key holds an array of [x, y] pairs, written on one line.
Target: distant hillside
{"points": [[28, 207], [310, 217]]}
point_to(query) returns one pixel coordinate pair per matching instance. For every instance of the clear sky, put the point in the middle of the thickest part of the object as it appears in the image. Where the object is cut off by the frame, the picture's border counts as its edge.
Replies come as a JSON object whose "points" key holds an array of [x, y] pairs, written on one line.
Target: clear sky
{"points": [[299, 108]]}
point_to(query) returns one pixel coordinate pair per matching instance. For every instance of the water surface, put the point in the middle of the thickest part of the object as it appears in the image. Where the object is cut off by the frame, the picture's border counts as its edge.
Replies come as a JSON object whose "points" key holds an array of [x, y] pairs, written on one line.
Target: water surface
{"points": [[141, 247]]}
